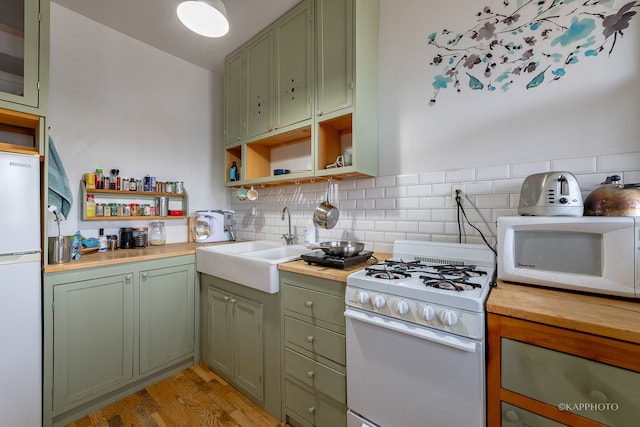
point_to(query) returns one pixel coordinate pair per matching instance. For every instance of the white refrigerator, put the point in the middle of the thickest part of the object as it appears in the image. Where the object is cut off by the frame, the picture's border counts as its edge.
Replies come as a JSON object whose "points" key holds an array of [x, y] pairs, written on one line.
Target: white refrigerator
{"points": [[20, 291]]}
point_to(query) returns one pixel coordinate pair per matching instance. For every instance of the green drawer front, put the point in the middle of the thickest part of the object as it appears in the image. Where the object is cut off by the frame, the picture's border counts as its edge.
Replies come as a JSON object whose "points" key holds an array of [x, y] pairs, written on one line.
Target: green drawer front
{"points": [[512, 416], [600, 392], [329, 308], [315, 339], [313, 408], [316, 375]]}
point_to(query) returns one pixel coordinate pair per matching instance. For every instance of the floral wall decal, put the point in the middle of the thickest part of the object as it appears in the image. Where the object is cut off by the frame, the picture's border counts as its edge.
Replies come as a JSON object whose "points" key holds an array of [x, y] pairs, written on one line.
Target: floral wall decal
{"points": [[526, 42]]}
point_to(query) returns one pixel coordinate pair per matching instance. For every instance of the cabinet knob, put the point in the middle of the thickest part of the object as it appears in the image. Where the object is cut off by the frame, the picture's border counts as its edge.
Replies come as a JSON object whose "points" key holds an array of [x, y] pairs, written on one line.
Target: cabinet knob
{"points": [[319, 113], [128, 277], [226, 299], [310, 338], [275, 127], [511, 415], [310, 374], [233, 300], [145, 275], [311, 410], [308, 304], [598, 396], [269, 129]]}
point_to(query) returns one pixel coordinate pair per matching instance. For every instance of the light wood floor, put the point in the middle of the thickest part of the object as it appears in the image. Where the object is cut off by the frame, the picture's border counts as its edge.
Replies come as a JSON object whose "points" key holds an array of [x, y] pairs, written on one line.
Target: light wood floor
{"points": [[191, 398]]}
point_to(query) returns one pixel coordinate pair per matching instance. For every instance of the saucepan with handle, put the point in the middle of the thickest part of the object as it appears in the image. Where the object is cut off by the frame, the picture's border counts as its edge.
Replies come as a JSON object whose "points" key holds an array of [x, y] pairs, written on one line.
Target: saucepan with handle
{"points": [[326, 215]]}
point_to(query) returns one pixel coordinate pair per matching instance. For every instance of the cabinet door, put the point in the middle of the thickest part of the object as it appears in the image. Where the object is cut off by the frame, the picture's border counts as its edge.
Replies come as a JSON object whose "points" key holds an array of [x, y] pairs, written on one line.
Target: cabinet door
{"points": [[167, 322], [260, 78], [234, 120], [334, 41], [19, 51], [295, 73], [247, 346], [93, 341], [219, 318]]}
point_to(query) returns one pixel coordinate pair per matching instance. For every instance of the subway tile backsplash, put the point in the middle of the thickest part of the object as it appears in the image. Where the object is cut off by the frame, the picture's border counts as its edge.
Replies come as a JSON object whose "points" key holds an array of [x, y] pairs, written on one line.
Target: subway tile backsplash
{"points": [[417, 206]]}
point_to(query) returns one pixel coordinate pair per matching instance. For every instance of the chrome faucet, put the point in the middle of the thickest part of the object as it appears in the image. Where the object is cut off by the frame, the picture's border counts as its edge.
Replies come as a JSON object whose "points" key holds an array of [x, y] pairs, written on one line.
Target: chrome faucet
{"points": [[289, 238]]}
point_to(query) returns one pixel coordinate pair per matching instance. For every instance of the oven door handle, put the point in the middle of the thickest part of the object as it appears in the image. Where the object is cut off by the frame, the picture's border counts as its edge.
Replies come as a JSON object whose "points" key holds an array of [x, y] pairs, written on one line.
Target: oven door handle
{"points": [[416, 331]]}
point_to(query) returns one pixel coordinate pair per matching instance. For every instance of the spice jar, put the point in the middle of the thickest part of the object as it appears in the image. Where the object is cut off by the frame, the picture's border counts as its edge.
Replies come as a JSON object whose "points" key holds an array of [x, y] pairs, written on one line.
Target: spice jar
{"points": [[157, 234]]}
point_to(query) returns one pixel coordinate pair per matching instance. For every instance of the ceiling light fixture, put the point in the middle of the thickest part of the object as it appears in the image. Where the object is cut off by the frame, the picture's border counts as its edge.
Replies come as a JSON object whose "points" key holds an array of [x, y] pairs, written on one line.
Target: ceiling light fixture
{"points": [[205, 17]]}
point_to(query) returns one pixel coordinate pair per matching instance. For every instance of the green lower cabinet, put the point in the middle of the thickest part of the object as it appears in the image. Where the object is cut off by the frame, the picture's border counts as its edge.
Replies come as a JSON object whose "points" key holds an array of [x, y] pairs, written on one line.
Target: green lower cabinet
{"points": [[241, 339], [93, 345], [314, 362], [112, 330], [235, 350], [167, 313]]}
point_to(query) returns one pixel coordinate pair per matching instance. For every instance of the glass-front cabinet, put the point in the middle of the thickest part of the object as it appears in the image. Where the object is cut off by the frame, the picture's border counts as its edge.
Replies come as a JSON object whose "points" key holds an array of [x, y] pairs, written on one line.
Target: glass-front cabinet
{"points": [[24, 55]]}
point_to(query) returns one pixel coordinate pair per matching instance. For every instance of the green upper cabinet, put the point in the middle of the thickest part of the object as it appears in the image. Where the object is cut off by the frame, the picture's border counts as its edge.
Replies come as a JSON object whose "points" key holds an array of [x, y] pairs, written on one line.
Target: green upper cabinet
{"points": [[279, 69], [334, 55], [311, 95], [24, 55], [295, 66], [260, 85], [235, 123]]}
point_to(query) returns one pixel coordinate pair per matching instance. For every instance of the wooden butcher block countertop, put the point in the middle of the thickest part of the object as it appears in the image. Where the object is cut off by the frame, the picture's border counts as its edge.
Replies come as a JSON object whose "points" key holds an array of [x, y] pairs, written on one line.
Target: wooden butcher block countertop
{"points": [[121, 256], [608, 317], [339, 275]]}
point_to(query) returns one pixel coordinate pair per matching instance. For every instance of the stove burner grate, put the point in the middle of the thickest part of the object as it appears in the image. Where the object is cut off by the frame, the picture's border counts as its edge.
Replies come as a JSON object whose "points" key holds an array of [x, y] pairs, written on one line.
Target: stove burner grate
{"points": [[388, 272], [439, 281], [459, 270]]}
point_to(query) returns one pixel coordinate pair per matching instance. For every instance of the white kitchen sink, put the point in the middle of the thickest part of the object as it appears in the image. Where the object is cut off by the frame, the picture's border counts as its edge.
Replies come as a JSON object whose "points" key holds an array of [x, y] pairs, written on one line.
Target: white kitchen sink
{"points": [[253, 263]]}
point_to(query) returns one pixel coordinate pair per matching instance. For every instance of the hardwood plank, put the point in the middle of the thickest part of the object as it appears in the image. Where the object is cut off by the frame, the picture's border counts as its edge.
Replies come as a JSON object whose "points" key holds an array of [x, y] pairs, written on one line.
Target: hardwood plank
{"points": [[193, 397]]}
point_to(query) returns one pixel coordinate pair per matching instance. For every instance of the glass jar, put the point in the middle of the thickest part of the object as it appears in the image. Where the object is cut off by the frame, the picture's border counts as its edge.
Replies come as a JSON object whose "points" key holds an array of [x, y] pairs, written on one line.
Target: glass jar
{"points": [[157, 234]]}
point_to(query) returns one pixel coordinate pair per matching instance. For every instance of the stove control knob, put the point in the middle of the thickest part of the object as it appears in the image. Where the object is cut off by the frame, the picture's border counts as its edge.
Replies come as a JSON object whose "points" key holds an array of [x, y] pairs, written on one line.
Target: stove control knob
{"points": [[363, 297], [427, 312], [379, 301], [448, 317], [402, 307]]}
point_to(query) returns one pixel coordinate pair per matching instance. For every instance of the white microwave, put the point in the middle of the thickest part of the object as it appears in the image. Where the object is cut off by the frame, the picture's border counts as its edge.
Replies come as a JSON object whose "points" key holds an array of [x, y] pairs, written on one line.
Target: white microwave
{"points": [[591, 254]]}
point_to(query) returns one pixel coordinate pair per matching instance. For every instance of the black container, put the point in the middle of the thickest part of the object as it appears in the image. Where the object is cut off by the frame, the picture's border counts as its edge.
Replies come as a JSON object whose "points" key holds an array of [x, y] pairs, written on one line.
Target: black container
{"points": [[126, 238]]}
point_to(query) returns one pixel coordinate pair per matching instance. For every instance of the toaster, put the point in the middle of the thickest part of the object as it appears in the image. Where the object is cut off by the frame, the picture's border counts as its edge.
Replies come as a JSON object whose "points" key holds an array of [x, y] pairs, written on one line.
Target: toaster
{"points": [[214, 226], [551, 194]]}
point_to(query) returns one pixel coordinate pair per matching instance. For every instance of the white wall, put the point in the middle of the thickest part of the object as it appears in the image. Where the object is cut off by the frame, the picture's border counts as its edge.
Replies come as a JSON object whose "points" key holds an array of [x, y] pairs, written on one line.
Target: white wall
{"points": [[587, 123], [118, 103], [593, 110]]}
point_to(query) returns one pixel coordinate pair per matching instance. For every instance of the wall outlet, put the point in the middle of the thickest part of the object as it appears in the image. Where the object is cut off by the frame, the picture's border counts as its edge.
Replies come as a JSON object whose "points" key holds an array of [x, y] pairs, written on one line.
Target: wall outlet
{"points": [[454, 189]]}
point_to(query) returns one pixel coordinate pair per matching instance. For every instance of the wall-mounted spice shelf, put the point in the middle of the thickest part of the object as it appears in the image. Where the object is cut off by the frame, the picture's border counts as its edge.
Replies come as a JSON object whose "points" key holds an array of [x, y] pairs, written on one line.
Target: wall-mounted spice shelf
{"points": [[141, 197]]}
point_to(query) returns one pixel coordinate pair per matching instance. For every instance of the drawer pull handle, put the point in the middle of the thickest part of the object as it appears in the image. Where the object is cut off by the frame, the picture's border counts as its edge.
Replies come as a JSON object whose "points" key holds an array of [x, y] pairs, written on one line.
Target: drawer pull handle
{"points": [[310, 338], [598, 396], [311, 410], [308, 304], [310, 374]]}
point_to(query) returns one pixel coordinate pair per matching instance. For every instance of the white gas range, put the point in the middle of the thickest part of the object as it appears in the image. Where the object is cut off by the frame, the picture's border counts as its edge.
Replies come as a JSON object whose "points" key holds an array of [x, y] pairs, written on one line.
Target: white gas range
{"points": [[415, 336]]}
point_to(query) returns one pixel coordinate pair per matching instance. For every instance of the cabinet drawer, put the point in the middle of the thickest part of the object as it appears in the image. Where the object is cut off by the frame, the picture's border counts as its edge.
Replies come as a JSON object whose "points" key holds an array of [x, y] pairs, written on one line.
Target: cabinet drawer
{"points": [[315, 339], [314, 408], [593, 390], [512, 416], [329, 308], [315, 375]]}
